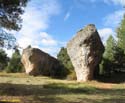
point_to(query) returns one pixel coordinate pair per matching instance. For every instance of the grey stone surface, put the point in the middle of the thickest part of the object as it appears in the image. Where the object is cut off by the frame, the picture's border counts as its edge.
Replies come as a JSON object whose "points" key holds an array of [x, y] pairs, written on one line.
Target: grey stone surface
{"points": [[37, 62], [85, 51]]}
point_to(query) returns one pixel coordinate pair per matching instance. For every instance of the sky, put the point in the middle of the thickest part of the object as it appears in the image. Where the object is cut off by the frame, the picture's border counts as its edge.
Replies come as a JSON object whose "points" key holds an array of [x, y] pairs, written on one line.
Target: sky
{"points": [[50, 24]]}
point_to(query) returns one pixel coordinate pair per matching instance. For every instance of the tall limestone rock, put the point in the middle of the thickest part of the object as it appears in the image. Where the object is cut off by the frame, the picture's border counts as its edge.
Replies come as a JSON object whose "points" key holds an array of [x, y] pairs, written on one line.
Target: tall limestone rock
{"points": [[37, 62], [85, 51]]}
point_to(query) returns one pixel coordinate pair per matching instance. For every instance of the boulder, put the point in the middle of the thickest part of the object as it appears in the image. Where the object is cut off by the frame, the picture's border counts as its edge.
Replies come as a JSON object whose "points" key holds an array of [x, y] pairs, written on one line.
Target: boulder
{"points": [[85, 51], [37, 62]]}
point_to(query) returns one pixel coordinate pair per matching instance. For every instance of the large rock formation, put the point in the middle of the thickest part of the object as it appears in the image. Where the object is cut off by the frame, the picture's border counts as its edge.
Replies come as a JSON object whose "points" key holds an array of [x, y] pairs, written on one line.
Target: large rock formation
{"points": [[85, 51], [38, 62]]}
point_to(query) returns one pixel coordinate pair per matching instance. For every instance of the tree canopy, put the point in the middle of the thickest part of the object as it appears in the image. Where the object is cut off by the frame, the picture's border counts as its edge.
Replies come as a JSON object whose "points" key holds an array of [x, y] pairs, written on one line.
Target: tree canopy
{"points": [[121, 35], [114, 55], [10, 19], [110, 49], [7, 40], [64, 58], [108, 61], [15, 64], [10, 13], [121, 45]]}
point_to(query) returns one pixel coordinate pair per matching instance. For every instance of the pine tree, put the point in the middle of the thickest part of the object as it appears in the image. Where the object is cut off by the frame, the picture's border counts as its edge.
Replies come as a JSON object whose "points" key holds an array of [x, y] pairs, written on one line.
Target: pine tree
{"points": [[114, 56], [15, 63], [121, 35], [120, 52], [107, 64], [110, 49], [63, 57]]}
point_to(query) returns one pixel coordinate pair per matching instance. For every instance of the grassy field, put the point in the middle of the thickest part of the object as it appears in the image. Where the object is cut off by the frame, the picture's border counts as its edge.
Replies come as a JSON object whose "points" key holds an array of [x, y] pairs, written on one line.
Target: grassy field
{"points": [[20, 88]]}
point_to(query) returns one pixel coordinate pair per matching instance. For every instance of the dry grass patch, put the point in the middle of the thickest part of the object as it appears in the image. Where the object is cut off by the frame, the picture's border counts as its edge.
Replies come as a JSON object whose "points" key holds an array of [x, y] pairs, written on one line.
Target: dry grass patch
{"points": [[29, 89]]}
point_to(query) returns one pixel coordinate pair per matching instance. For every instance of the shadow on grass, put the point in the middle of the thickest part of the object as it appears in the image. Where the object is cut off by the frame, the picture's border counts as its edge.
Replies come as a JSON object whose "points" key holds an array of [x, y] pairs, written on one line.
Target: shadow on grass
{"points": [[49, 93], [43, 90], [114, 78], [54, 89]]}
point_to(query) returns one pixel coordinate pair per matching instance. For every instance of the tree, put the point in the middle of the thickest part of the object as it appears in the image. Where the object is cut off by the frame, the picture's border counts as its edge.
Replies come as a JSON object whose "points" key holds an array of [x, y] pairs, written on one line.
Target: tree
{"points": [[63, 57], [108, 61], [119, 60], [121, 35], [10, 19], [15, 64], [110, 49], [10, 13], [120, 54], [114, 56], [7, 40], [3, 59]]}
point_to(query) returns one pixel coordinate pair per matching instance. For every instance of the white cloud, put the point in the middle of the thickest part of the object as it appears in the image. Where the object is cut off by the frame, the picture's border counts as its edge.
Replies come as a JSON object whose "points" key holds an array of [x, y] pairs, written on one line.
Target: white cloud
{"points": [[105, 33], [116, 2], [68, 13], [114, 19], [36, 21], [47, 39], [67, 16], [52, 50]]}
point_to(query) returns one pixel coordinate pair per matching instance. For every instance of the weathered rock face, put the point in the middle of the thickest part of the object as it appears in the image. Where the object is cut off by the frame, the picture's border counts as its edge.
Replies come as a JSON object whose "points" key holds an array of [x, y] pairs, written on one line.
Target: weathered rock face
{"points": [[38, 62], [85, 51]]}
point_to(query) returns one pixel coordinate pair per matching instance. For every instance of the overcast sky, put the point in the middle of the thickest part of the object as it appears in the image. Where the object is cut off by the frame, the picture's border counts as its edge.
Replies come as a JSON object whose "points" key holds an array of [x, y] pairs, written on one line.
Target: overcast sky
{"points": [[50, 24]]}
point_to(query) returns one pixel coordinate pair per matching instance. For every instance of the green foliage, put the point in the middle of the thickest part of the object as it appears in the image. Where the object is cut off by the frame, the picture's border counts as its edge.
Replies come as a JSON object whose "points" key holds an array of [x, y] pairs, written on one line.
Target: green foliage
{"points": [[7, 40], [3, 59], [14, 64], [64, 59], [110, 49], [10, 13], [55, 71], [108, 61], [114, 56], [72, 75], [120, 52], [59, 72], [10, 19], [121, 35], [106, 67]]}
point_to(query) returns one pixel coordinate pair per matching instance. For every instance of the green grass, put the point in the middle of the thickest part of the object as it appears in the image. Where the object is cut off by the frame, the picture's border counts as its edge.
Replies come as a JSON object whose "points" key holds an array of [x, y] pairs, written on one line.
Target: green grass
{"points": [[19, 88]]}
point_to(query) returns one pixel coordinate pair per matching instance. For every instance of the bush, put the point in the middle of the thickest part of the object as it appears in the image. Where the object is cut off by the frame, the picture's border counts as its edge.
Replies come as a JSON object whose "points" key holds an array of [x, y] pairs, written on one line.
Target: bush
{"points": [[72, 75]]}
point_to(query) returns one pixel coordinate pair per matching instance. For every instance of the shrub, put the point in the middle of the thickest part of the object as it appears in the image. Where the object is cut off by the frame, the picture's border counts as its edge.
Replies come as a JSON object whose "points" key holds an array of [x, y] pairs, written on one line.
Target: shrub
{"points": [[72, 75]]}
